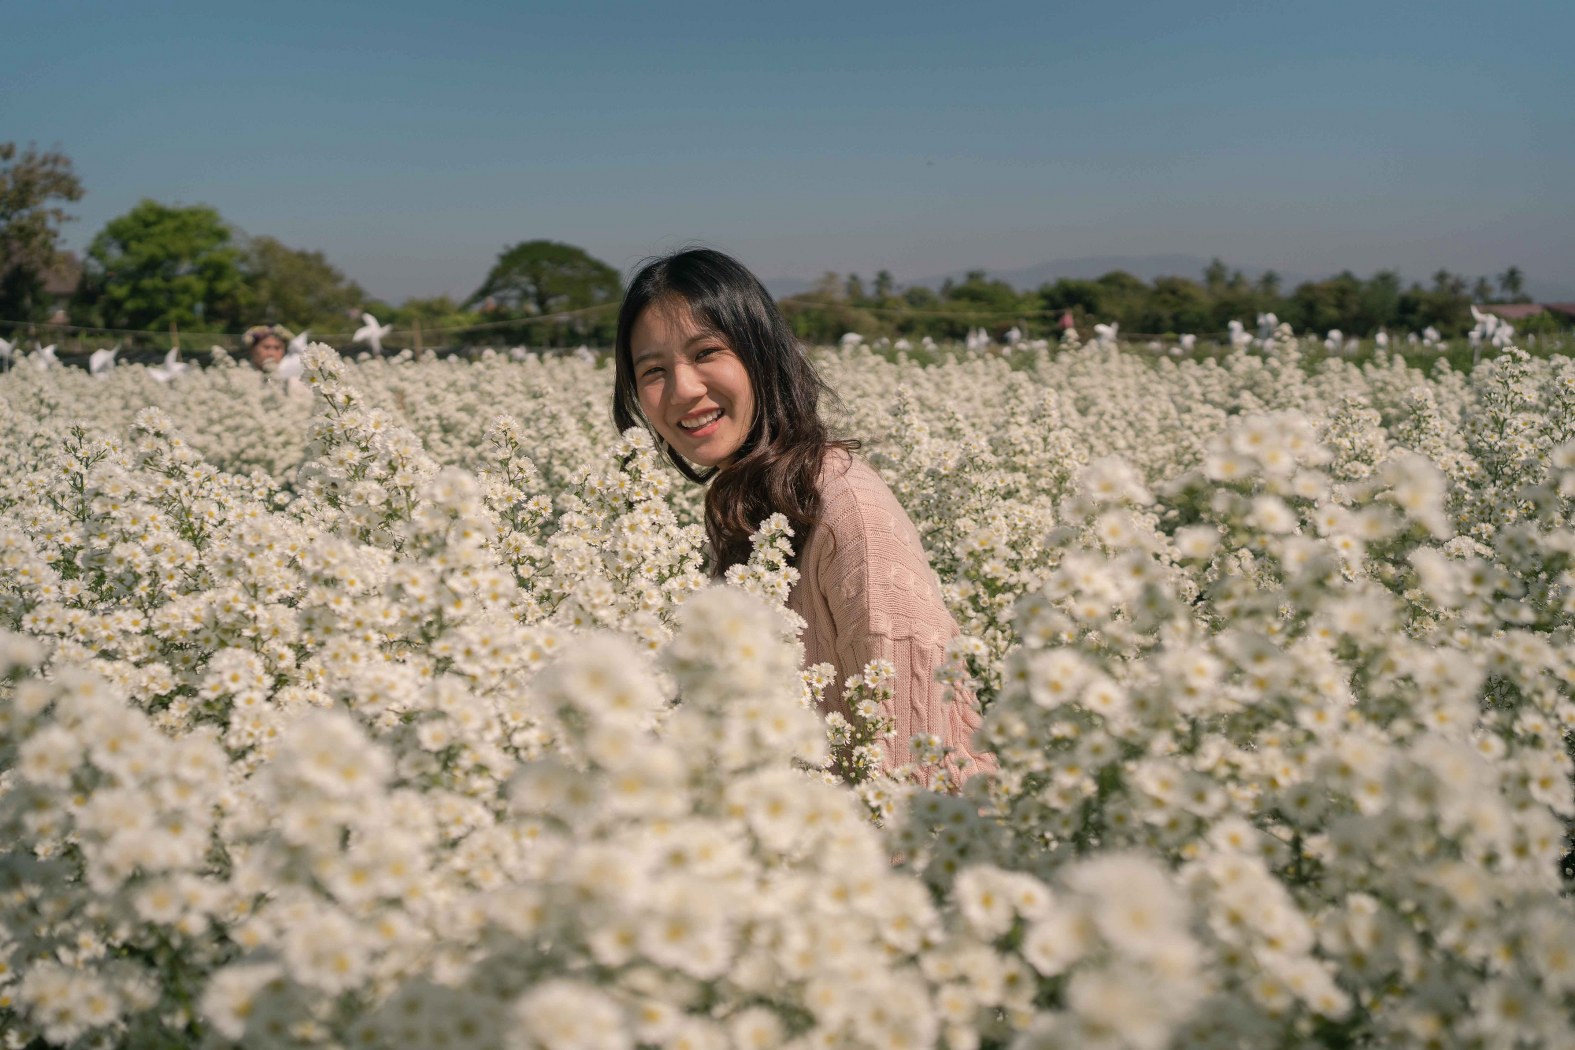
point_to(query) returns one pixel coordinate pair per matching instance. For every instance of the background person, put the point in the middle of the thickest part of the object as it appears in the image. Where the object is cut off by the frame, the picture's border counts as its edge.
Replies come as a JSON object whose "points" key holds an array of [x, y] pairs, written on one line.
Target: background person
{"points": [[705, 360], [265, 345]]}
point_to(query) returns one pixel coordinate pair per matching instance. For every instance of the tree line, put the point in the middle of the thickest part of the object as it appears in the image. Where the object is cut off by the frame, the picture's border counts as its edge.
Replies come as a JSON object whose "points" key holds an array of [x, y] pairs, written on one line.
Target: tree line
{"points": [[1164, 307], [160, 266]]}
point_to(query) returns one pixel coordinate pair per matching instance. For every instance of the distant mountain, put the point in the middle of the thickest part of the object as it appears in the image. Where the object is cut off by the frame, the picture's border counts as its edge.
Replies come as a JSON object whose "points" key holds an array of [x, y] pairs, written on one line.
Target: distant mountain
{"points": [[782, 287]]}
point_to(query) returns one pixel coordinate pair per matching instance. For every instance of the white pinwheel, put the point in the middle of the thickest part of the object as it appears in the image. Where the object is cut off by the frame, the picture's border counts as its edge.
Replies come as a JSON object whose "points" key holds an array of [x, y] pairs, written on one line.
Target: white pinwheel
{"points": [[1189, 343], [173, 366], [102, 360], [1381, 339], [371, 333], [291, 366], [1490, 330], [45, 357], [1239, 339], [298, 344], [6, 350], [1105, 334]]}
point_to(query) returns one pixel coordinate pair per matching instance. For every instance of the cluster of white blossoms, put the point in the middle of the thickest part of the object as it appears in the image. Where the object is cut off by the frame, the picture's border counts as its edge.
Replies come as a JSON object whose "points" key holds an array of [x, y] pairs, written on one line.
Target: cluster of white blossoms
{"points": [[376, 717]]}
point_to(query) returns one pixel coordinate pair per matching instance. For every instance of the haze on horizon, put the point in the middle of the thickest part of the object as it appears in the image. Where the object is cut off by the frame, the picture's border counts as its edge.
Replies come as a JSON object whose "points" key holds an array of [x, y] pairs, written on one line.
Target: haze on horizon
{"points": [[411, 142]]}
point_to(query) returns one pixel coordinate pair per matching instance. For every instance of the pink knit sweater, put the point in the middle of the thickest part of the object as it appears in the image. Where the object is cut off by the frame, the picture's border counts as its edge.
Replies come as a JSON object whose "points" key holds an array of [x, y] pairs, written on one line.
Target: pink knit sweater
{"points": [[866, 592]]}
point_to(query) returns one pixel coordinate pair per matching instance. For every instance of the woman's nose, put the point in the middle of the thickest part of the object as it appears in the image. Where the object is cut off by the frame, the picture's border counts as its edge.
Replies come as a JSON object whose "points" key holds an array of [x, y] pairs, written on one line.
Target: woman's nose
{"points": [[686, 383]]}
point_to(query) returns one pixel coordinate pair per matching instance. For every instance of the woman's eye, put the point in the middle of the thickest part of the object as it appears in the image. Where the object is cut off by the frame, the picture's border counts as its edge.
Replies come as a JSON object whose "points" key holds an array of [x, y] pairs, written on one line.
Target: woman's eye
{"points": [[707, 352]]}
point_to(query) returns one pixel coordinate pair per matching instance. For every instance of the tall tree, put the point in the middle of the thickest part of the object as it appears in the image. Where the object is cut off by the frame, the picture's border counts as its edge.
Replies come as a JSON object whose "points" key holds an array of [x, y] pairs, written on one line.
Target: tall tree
{"points": [[159, 265], [1216, 276], [884, 285], [1513, 283], [295, 287], [1447, 285], [544, 277], [33, 186], [1331, 303], [1177, 304], [1378, 305]]}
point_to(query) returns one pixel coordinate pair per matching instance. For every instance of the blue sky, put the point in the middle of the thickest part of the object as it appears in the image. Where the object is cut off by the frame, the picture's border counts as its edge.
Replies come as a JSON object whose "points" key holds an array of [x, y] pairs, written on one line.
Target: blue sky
{"points": [[411, 142]]}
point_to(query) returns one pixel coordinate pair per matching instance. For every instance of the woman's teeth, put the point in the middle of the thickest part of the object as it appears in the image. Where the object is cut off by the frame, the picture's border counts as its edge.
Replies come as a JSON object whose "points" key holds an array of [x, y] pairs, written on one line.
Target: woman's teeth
{"points": [[704, 420]]}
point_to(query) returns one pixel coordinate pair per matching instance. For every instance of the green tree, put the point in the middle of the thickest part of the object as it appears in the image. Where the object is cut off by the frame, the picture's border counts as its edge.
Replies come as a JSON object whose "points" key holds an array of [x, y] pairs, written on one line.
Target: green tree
{"points": [[1082, 297], [1513, 283], [1176, 305], [297, 288], [824, 313], [1216, 276], [1444, 306], [1482, 291], [1122, 298], [978, 291], [33, 186], [539, 277], [1378, 304], [1448, 285], [159, 265], [884, 285], [1318, 306], [978, 302], [438, 316], [545, 277]]}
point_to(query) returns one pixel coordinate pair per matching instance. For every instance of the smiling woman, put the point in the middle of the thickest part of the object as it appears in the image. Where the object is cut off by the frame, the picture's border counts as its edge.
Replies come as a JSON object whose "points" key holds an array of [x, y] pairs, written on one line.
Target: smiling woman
{"points": [[706, 361], [693, 388]]}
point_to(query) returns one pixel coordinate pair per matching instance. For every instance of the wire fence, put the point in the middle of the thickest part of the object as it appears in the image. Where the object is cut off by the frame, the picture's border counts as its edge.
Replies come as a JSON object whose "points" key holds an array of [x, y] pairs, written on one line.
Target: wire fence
{"points": [[419, 337], [191, 340]]}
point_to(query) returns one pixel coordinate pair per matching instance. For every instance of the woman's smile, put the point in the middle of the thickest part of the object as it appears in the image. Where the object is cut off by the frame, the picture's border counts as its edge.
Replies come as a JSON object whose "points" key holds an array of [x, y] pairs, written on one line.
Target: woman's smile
{"points": [[703, 425]]}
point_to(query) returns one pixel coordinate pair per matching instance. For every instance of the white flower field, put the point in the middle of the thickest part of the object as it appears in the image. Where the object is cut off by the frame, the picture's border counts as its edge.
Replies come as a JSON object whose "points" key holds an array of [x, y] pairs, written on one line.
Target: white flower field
{"points": [[399, 712]]}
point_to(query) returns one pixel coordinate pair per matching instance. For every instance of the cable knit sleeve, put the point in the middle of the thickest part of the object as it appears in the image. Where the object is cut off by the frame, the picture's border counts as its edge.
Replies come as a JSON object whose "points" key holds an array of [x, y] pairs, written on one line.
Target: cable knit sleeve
{"points": [[884, 602]]}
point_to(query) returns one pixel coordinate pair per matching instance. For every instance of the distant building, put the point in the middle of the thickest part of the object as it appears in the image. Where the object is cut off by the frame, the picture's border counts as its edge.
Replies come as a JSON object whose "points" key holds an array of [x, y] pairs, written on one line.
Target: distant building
{"points": [[1521, 311]]}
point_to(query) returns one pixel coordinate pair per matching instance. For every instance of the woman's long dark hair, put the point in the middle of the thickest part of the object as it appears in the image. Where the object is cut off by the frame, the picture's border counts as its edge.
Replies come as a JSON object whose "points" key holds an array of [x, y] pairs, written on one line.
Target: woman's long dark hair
{"points": [[777, 468]]}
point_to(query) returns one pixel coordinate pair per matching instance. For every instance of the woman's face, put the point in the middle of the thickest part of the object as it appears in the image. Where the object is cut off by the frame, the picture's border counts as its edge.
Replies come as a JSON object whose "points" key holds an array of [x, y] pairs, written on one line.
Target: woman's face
{"points": [[267, 352], [692, 386]]}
